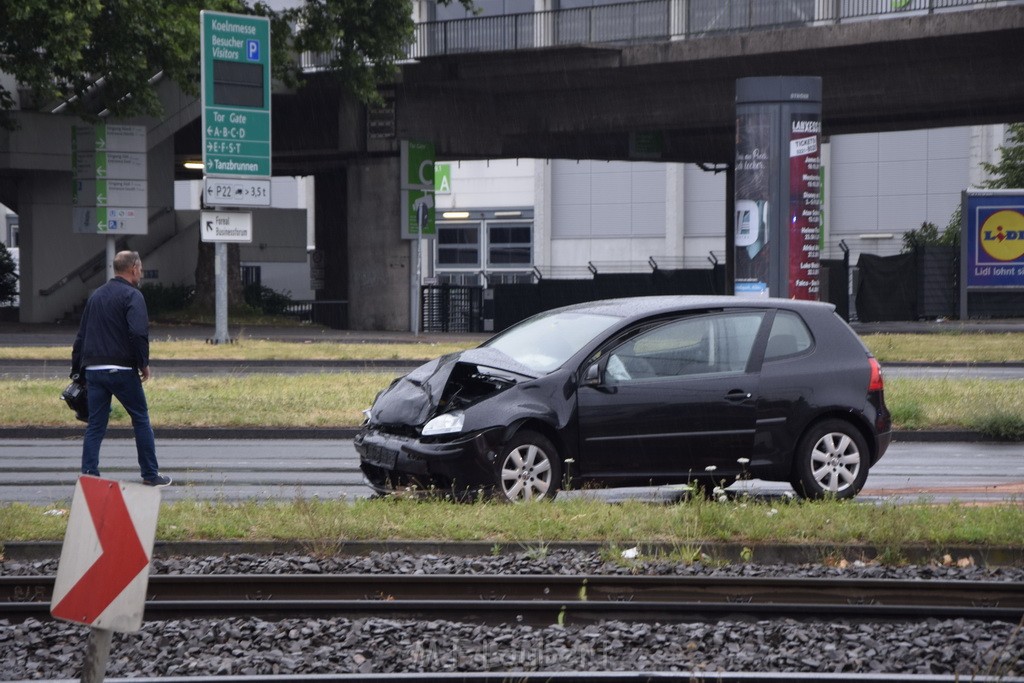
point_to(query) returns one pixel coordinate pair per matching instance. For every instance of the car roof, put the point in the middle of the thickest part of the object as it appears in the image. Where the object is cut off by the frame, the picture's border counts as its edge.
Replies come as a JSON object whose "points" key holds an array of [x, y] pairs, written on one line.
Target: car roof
{"points": [[643, 306]]}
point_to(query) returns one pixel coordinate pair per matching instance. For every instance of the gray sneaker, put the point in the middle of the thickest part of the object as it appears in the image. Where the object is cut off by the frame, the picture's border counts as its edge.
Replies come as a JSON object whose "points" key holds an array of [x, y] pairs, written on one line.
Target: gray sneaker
{"points": [[159, 481]]}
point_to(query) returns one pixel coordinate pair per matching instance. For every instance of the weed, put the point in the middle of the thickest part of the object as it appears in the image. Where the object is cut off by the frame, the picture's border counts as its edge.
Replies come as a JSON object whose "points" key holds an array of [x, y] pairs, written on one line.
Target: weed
{"points": [[1000, 424]]}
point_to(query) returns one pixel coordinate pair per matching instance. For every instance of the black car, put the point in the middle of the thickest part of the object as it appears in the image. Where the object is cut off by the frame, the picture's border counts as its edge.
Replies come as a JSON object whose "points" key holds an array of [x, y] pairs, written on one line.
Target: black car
{"points": [[638, 391]]}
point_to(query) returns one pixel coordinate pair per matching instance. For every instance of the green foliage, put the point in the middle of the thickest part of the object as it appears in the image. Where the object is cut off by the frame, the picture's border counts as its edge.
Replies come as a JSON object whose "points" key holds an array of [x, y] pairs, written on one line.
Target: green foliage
{"points": [[100, 55], [1001, 425], [1009, 172], [266, 300], [8, 277], [161, 299], [928, 235]]}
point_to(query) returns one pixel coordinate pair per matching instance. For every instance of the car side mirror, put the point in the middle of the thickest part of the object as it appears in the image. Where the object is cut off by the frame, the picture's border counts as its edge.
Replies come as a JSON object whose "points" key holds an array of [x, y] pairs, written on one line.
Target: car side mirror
{"points": [[593, 375]]}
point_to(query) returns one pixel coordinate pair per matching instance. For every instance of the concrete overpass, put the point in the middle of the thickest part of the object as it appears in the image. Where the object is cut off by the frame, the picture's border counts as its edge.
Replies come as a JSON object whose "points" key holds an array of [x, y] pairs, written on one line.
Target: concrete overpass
{"points": [[885, 74], [582, 100]]}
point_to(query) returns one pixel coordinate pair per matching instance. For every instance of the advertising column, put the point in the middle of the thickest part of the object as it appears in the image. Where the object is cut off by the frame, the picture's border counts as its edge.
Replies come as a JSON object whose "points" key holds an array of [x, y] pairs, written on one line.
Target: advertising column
{"points": [[778, 187]]}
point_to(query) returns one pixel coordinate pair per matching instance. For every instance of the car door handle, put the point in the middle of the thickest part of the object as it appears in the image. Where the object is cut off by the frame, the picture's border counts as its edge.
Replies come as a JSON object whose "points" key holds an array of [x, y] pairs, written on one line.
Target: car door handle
{"points": [[737, 395]]}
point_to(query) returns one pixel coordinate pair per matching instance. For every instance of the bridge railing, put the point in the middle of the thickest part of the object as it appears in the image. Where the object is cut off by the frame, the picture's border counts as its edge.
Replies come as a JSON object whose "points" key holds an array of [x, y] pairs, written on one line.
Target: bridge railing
{"points": [[656, 20]]}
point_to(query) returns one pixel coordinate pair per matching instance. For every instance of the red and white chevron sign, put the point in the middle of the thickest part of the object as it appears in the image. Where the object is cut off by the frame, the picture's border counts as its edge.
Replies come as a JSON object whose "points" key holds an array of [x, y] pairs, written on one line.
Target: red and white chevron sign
{"points": [[104, 563]]}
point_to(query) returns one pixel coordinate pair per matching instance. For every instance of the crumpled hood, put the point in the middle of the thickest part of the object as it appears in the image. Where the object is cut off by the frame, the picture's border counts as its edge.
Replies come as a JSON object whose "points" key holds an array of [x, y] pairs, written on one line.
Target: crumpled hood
{"points": [[413, 399]]}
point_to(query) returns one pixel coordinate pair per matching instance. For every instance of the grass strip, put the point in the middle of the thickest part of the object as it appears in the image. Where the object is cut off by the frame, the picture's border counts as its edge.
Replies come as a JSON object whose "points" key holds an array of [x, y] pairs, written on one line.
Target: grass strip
{"points": [[944, 347], [327, 522], [337, 400]]}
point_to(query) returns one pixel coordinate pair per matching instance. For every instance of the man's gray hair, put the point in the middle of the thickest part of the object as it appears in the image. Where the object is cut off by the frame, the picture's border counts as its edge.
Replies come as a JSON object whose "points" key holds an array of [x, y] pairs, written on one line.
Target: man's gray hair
{"points": [[125, 261]]}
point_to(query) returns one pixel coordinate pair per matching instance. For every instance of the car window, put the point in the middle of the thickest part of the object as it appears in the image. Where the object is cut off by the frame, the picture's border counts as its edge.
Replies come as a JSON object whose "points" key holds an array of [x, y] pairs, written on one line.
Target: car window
{"points": [[691, 346], [789, 336], [545, 341]]}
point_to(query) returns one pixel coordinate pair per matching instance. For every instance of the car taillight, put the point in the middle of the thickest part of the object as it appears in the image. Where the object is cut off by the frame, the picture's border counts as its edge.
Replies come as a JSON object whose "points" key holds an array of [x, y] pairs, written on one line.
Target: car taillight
{"points": [[875, 383]]}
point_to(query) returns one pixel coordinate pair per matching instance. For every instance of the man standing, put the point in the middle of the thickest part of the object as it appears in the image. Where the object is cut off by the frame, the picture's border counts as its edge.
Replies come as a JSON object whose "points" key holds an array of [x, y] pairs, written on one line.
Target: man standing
{"points": [[112, 348]]}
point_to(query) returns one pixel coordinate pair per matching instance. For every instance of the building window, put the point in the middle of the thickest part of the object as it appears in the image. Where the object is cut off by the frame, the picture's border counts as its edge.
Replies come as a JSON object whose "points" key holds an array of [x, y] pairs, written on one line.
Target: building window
{"points": [[458, 244], [509, 244]]}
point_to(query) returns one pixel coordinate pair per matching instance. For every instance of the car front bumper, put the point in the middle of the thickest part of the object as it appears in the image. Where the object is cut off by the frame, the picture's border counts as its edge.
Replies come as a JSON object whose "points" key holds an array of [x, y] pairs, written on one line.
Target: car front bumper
{"points": [[391, 462]]}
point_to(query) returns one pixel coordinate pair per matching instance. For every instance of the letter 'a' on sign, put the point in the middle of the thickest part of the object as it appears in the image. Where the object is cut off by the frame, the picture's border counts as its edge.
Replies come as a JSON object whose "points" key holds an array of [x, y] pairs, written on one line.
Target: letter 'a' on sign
{"points": [[104, 564]]}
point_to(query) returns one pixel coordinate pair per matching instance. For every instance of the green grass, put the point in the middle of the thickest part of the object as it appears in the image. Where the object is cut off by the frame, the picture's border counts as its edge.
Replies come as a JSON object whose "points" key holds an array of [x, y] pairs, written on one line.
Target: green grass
{"points": [[325, 524], [947, 347], [257, 349], [243, 400], [936, 348], [338, 399]]}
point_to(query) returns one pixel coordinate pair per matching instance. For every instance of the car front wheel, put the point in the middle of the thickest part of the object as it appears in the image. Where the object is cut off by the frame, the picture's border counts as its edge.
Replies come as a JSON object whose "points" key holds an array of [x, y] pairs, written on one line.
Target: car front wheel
{"points": [[831, 461], [530, 468]]}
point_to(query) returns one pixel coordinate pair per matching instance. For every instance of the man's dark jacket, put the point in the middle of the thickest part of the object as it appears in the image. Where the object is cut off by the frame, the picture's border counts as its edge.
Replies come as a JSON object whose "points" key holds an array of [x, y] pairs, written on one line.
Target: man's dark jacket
{"points": [[114, 329]]}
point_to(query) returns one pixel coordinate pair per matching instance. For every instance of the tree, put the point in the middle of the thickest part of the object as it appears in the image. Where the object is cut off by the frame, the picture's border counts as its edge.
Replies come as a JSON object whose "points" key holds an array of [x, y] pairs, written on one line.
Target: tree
{"points": [[928, 235], [93, 57], [8, 276], [1009, 172], [100, 56]]}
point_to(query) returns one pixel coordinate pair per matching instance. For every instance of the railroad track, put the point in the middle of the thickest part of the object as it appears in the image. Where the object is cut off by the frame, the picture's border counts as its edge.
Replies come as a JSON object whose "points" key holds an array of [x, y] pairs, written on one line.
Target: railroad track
{"points": [[545, 599]]}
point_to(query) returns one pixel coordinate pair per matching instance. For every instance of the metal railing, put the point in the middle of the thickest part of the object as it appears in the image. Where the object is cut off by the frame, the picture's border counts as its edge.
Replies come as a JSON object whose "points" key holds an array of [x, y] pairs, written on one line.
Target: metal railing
{"points": [[330, 313], [656, 20]]}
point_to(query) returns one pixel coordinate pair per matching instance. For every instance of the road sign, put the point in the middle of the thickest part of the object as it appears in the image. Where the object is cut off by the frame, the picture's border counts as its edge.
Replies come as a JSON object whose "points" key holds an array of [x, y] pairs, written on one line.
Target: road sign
{"points": [[236, 192], [226, 226], [235, 72], [109, 192], [417, 189], [103, 572]]}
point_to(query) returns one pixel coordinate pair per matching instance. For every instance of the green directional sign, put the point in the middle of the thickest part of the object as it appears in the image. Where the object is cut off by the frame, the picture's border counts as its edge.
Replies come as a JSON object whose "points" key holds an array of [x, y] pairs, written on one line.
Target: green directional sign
{"points": [[235, 95]]}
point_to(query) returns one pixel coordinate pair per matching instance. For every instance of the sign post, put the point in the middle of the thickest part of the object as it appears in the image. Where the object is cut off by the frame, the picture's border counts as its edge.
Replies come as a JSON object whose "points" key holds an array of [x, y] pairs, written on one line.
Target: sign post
{"points": [[103, 572], [235, 74]]}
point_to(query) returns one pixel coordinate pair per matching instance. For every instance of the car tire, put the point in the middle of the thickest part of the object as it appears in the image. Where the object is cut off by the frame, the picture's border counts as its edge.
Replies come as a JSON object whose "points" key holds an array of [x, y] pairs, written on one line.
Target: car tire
{"points": [[529, 468], [832, 461]]}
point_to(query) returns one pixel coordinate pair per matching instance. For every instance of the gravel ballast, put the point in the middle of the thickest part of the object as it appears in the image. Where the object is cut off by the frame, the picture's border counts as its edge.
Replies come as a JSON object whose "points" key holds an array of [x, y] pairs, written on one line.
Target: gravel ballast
{"points": [[51, 649]]}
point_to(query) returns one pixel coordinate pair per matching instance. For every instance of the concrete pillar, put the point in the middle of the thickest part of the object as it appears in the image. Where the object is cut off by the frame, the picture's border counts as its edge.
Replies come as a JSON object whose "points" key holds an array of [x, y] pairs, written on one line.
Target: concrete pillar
{"points": [[541, 213], [381, 268], [678, 13], [675, 212], [544, 22]]}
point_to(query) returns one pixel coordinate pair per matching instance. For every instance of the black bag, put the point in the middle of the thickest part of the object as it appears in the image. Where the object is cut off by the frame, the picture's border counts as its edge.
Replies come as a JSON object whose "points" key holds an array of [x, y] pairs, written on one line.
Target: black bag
{"points": [[75, 396]]}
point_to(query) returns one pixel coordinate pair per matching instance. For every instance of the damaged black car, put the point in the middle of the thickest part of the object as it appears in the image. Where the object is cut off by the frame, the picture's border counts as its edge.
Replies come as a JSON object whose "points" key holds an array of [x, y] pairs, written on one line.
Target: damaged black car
{"points": [[639, 391]]}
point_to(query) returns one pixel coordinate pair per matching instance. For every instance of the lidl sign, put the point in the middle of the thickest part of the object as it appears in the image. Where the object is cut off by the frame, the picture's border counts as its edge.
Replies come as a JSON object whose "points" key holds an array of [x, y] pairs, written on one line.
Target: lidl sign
{"points": [[994, 238]]}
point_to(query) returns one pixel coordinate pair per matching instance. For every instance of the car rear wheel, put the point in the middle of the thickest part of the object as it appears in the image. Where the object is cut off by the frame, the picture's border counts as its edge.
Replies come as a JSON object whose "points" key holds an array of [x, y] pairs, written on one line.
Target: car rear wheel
{"points": [[530, 468], [831, 461]]}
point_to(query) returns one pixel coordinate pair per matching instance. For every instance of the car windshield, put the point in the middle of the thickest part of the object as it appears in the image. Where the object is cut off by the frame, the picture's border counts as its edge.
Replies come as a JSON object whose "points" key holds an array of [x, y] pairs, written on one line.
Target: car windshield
{"points": [[546, 341]]}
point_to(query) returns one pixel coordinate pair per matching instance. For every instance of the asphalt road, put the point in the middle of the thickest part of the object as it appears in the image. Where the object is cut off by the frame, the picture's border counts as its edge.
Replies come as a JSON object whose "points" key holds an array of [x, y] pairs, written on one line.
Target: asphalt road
{"points": [[43, 471]]}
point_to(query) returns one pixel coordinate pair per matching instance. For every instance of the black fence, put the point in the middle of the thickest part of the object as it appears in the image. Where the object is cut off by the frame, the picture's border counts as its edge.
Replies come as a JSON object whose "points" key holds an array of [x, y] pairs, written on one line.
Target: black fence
{"points": [[451, 308], [506, 305], [333, 314], [916, 285], [457, 308]]}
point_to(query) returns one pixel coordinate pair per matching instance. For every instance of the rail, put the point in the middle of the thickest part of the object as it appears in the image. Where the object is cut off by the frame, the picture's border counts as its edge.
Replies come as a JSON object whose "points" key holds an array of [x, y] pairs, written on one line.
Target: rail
{"points": [[547, 599]]}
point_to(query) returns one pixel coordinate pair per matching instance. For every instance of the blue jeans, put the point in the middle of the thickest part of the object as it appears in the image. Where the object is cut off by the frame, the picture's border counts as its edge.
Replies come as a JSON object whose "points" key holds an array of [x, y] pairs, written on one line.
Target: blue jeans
{"points": [[126, 385]]}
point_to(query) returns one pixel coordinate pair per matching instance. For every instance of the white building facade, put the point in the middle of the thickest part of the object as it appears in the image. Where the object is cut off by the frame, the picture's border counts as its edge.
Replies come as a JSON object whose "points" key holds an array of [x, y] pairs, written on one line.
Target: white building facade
{"points": [[512, 219]]}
